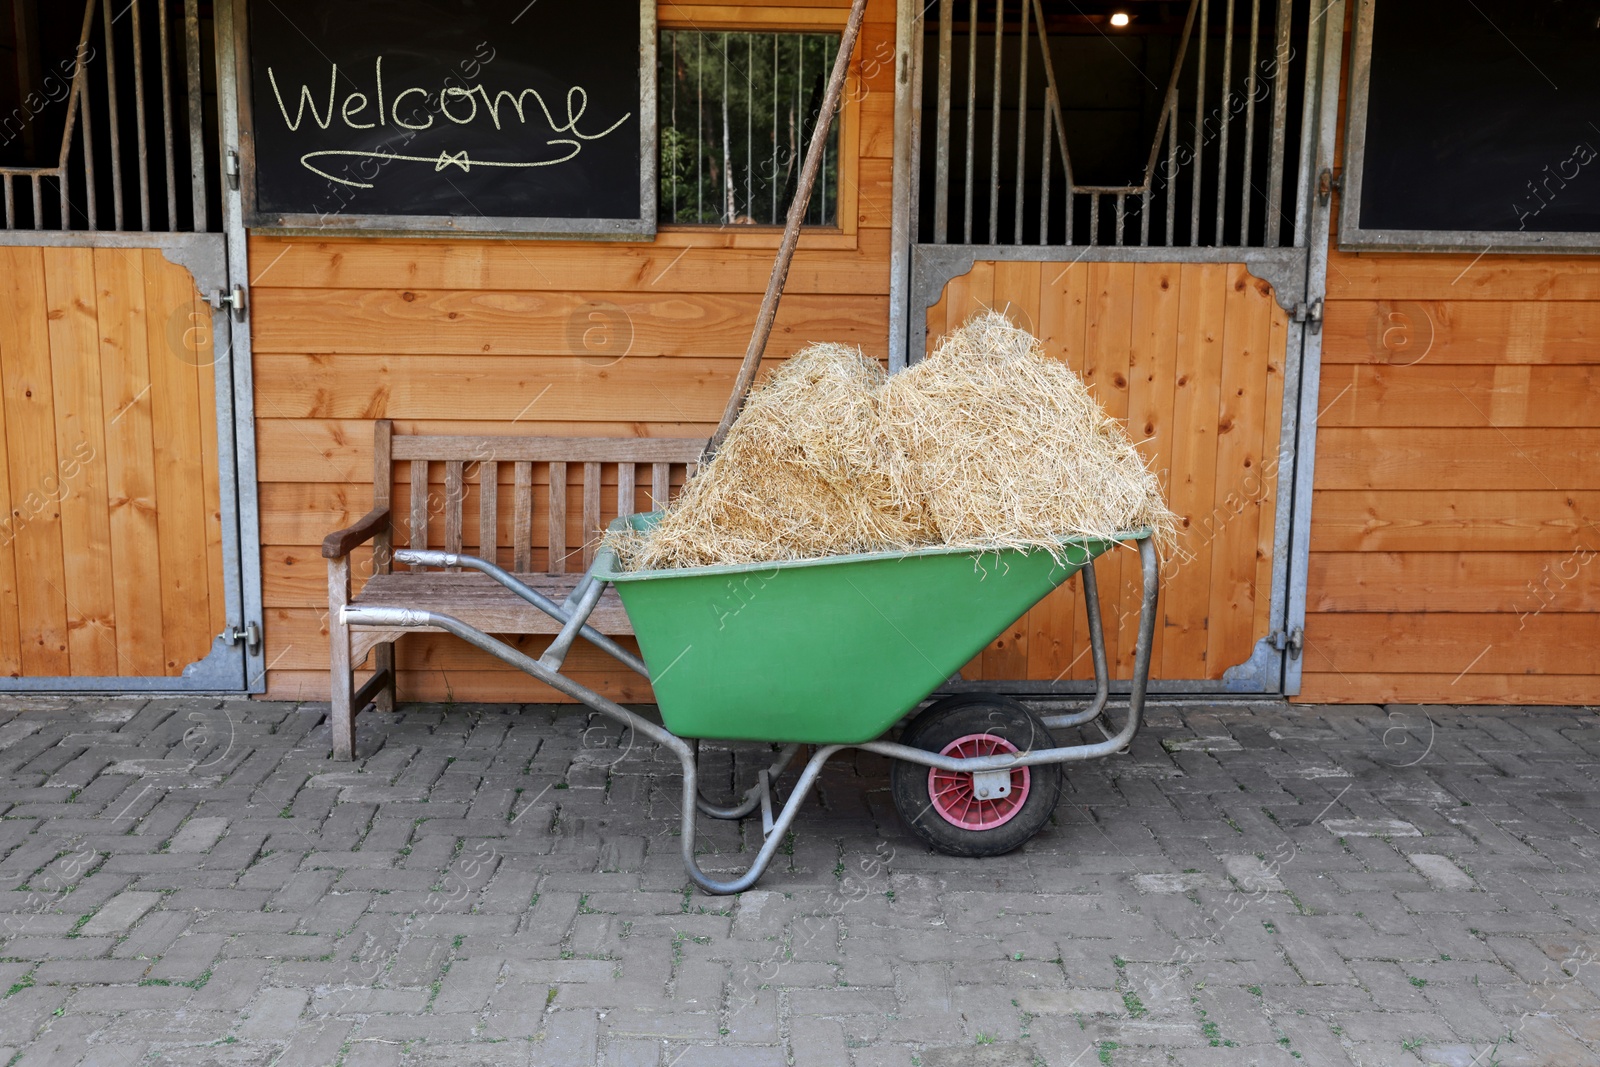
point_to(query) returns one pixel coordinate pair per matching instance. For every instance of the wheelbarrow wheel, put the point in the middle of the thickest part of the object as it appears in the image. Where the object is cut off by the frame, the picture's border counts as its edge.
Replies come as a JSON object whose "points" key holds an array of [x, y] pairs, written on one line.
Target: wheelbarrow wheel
{"points": [[944, 808]]}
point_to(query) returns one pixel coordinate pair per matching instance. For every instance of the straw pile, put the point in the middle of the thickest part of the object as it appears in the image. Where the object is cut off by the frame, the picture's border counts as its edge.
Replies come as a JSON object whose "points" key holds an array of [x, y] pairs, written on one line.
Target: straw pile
{"points": [[986, 444]]}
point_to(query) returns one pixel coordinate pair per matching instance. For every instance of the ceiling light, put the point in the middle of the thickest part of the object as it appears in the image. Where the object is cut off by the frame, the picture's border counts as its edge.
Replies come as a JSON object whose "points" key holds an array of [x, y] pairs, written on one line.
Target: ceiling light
{"points": [[1119, 19]]}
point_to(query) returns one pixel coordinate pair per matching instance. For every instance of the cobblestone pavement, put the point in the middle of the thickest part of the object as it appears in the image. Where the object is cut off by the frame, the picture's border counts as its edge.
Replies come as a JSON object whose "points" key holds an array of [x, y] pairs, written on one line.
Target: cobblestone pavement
{"points": [[194, 882]]}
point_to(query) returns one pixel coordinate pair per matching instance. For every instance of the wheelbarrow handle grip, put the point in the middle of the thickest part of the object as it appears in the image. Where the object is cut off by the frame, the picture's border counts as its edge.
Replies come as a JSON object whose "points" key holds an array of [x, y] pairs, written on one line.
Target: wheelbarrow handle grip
{"points": [[426, 557]]}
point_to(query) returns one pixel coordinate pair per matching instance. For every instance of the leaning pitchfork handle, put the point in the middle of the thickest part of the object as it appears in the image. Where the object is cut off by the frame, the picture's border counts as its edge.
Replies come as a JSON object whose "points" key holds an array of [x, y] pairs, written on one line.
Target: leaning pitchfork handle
{"points": [[791, 231]]}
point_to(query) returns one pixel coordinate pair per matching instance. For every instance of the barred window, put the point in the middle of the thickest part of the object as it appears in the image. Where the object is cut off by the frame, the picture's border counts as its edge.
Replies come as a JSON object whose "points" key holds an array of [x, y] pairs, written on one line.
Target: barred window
{"points": [[737, 111]]}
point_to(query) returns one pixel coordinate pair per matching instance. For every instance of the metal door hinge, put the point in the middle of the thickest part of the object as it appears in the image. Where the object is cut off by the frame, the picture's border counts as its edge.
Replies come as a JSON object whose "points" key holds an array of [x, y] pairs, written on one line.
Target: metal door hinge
{"points": [[234, 299], [250, 636], [231, 168], [1326, 184], [1293, 641], [1310, 314]]}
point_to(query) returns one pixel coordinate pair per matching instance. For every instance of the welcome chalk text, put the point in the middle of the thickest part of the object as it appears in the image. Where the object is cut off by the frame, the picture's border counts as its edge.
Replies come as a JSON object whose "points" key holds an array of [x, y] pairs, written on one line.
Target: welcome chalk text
{"points": [[457, 104]]}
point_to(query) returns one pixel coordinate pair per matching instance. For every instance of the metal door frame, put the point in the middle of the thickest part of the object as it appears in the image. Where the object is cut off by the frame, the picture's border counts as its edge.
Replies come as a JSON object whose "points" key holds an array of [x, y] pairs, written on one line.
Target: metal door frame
{"points": [[1298, 273]]}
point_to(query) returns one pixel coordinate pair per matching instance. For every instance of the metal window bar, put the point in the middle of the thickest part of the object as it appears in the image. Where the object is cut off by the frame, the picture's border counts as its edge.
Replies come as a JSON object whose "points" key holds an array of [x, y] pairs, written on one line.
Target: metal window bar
{"points": [[111, 75], [1177, 163], [767, 85], [994, 137]]}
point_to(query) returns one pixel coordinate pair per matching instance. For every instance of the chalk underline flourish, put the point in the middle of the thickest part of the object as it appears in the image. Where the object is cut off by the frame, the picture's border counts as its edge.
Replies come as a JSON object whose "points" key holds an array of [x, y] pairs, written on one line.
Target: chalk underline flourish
{"points": [[445, 158]]}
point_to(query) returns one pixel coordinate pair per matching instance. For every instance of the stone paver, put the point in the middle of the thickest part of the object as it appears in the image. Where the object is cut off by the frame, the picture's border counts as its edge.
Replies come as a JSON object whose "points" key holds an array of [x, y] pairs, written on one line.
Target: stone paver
{"points": [[192, 881]]}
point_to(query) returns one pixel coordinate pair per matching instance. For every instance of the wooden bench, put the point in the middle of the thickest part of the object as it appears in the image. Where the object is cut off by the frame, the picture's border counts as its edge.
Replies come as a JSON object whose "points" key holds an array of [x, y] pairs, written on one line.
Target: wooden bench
{"points": [[553, 563]]}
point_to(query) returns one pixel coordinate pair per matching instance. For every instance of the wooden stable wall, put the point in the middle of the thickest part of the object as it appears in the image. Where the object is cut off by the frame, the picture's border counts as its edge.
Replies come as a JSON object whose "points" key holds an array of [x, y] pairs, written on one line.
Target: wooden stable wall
{"points": [[1190, 357], [535, 337], [1453, 529]]}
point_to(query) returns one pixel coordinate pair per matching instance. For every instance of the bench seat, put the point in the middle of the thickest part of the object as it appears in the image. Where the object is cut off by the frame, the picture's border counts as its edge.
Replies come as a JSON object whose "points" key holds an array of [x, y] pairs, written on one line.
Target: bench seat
{"points": [[479, 601]]}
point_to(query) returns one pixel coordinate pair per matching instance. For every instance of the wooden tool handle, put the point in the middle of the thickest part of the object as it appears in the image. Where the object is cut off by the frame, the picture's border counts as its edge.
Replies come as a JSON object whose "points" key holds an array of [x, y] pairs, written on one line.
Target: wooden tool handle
{"points": [[791, 231]]}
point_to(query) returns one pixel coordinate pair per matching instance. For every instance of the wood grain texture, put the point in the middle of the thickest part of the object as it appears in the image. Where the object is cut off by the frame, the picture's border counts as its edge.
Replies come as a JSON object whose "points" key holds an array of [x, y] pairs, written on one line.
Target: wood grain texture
{"points": [[1274, 451], [34, 467], [389, 321], [1241, 428], [1476, 687], [1107, 337], [130, 452], [1537, 520], [698, 265], [1202, 309], [1523, 583], [510, 389], [177, 438], [1430, 276], [80, 445], [1466, 459], [1152, 371], [1404, 333], [1440, 394], [1453, 643]]}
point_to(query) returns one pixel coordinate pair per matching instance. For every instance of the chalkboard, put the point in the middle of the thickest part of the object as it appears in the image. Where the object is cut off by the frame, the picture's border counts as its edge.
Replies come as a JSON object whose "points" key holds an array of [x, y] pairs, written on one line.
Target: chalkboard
{"points": [[528, 116], [1474, 125]]}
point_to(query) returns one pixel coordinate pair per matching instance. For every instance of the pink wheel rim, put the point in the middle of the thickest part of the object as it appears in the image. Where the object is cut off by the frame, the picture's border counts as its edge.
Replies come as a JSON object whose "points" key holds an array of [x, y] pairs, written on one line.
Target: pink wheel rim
{"points": [[955, 799]]}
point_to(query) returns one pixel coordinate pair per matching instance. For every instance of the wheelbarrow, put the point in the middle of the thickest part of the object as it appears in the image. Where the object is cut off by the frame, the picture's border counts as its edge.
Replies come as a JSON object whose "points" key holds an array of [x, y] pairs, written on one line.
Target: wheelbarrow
{"points": [[833, 653]]}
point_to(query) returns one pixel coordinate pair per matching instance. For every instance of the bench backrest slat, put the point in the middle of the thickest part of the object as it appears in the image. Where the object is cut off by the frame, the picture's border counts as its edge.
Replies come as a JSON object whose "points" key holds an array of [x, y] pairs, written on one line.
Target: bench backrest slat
{"points": [[488, 509], [625, 479], [660, 484], [455, 492], [522, 519], [383, 492], [472, 465], [419, 504], [557, 510]]}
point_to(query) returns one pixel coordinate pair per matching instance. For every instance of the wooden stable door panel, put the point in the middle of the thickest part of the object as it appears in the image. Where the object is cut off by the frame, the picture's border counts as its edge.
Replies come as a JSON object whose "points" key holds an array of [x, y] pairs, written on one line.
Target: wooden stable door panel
{"points": [[1190, 357], [111, 547]]}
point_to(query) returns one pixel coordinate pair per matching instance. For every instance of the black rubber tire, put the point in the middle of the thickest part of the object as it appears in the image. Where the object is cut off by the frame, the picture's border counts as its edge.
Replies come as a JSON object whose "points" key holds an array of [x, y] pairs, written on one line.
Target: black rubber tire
{"points": [[944, 705], [956, 717]]}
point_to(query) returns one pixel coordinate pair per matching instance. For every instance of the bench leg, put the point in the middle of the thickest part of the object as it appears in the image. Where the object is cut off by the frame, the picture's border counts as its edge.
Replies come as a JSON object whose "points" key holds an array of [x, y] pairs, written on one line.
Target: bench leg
{"points": [[341, 713], [385, 699]]}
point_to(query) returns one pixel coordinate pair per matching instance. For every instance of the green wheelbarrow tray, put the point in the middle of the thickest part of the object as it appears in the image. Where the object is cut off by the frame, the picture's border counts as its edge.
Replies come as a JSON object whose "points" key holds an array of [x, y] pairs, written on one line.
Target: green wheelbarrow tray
{"points": [[825, 651]]}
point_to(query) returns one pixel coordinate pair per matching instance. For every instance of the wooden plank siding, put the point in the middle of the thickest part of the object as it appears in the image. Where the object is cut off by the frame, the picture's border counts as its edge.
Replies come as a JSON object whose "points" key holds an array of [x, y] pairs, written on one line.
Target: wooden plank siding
{"points": [[110, 549], [1456, 515], [1190, 357], [489, 337]]}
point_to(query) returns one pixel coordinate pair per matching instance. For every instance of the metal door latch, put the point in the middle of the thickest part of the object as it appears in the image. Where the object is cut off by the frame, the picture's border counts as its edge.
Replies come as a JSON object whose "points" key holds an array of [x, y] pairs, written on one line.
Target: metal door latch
{"points": [[1293, 641], [250, 635], [231, 168], [235, 299], [1326, 184], [1310, 313]]}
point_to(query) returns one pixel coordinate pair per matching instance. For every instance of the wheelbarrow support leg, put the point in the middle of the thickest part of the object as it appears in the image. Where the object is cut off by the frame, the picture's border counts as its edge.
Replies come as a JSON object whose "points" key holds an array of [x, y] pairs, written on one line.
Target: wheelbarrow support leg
{"points": [[775, 836], [758, 795]]}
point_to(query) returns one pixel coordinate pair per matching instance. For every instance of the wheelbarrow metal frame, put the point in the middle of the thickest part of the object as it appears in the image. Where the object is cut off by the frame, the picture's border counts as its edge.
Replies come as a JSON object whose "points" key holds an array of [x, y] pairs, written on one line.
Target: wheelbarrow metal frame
{"points": [[573, 615]]}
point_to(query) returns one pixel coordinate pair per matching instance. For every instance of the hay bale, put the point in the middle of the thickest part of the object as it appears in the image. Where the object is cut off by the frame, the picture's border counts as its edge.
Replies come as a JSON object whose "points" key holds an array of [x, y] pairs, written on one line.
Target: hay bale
{"points": [[986, 444], [801, 474], [1005, 447]]}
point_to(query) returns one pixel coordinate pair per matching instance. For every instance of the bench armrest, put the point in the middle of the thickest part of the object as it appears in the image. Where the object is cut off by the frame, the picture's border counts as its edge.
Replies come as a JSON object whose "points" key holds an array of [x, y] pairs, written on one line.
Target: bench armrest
{"points": [[340, 542]]}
